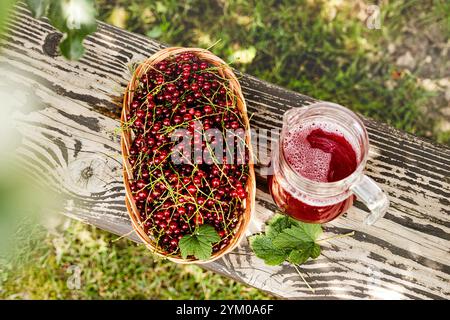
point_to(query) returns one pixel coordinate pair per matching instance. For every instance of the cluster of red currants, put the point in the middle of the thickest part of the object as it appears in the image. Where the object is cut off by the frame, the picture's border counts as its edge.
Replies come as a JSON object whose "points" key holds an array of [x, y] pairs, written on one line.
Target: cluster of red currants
{"points": [[175, 198]]}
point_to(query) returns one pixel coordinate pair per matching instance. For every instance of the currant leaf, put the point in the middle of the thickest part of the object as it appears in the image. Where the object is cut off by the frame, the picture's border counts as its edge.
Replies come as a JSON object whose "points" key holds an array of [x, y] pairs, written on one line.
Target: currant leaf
{"points": [[264, 249], [277, 224], [298, 257], [315, 252], [287, 239], [199, 244], [311, 231], [208, 233], [297, 236]]}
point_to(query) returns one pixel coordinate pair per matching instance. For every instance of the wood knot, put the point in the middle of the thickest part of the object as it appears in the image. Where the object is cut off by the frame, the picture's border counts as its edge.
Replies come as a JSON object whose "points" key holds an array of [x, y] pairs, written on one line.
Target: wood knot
{"points": [[91, 174], [87, 173], [51, 43]]}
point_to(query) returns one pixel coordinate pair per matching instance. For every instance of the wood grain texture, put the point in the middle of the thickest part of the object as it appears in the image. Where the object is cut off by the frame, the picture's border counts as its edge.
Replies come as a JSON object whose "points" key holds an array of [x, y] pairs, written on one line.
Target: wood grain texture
{"points": [[71, 137]]}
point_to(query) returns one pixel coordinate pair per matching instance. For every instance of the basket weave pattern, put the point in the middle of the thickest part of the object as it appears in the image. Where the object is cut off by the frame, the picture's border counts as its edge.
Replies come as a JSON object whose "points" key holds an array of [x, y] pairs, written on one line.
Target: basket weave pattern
{"points": [[126, 142]]}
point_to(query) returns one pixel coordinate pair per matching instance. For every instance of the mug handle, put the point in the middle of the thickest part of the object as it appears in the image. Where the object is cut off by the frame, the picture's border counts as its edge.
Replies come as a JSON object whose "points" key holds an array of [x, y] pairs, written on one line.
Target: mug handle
{"points": [[373, 197]]}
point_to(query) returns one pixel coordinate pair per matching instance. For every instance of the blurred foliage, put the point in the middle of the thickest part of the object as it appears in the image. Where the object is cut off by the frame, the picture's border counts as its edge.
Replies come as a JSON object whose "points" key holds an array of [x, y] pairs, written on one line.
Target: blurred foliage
{"points": [[5, 10], [23, 201], [319, 48], [23, 206], [74, 18]]}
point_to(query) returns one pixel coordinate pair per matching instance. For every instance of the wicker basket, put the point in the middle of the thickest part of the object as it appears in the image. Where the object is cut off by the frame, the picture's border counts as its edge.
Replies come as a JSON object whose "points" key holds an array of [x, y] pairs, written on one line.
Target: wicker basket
{"points": [[126, 141]]}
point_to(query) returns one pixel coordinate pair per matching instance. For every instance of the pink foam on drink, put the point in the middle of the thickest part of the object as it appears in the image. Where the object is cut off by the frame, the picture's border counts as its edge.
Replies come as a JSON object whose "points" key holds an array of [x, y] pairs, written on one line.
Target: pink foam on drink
{"points": [[311, 163]]}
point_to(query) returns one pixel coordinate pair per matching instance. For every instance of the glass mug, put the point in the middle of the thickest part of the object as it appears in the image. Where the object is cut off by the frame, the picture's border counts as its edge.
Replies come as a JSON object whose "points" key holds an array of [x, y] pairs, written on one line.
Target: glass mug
{"points": [[326, 125]]}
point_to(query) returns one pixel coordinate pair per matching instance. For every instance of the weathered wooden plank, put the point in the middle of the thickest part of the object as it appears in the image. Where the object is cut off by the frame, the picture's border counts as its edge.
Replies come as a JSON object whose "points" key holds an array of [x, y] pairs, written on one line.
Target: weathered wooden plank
{"points": [[71, 137]]}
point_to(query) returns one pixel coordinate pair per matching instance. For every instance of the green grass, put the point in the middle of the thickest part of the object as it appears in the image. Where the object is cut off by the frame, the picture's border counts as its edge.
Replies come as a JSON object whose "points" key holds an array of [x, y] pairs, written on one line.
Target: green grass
{"points": [[300, 45], [109, 269]]}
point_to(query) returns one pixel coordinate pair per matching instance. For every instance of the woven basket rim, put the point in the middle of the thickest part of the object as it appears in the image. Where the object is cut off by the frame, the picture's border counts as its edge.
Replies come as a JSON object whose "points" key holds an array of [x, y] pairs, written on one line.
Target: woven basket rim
{"points": [[133, 212]]}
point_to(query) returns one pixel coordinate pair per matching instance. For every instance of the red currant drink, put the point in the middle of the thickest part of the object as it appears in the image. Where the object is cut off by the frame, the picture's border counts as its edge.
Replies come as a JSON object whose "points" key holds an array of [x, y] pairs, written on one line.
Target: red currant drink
{"points": [[319, 153]]}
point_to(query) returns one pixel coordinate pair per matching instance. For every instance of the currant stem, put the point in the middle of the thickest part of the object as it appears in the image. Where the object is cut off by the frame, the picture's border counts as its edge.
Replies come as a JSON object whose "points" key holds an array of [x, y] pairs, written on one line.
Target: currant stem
{"points": [[350, 234], [303, 278]]}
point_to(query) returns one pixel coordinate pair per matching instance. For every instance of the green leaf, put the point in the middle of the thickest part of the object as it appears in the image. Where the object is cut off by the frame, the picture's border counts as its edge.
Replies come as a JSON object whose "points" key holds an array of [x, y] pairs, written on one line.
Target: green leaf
{"points": [[291, 238], [311, 250], [277, 224], [315, 252], [208, 233], [301, 255], [297, 236], [298, 257], [199, 244], [287, 239], [191, 245], [38, 7], [311, 230], [264, 249]]}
